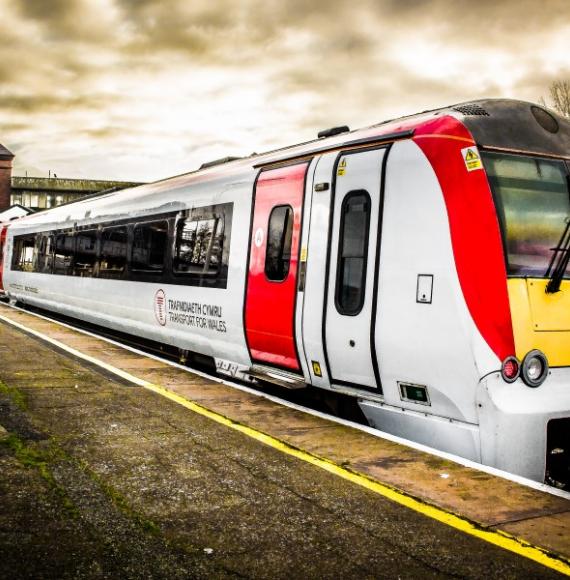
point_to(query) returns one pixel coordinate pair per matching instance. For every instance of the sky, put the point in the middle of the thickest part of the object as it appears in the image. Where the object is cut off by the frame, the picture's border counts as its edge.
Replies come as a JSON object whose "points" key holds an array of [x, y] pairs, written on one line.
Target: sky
{"points": [[139, 90]]}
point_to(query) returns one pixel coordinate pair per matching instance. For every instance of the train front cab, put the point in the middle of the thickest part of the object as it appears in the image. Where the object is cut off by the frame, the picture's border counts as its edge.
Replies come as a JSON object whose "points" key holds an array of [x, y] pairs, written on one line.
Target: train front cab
{"points": [[528, 408], [504, 220]]}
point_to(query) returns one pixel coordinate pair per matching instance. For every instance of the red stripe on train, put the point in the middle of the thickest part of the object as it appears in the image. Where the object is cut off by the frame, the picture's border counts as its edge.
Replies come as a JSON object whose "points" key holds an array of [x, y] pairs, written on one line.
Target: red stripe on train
{"points": [[474, 228]]}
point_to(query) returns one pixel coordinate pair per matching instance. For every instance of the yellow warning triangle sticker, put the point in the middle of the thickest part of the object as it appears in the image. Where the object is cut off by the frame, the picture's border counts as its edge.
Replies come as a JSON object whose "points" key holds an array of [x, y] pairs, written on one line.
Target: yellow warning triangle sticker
{"points": [[343, 163], [471, 158]]}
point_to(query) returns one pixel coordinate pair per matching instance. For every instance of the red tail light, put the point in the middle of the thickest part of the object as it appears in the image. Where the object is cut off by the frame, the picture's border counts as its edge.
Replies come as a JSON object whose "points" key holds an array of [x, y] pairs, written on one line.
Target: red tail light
{"points": [[511, 369]]}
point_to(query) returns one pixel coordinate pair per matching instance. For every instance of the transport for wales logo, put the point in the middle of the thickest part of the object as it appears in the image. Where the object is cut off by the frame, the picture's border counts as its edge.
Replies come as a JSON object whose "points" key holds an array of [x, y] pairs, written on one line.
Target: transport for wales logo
{"points": [[160, 307]]}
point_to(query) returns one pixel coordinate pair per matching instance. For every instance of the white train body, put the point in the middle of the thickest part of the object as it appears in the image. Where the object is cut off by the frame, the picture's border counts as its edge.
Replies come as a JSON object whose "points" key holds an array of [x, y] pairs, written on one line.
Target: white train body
{"points": [[369, 263]]}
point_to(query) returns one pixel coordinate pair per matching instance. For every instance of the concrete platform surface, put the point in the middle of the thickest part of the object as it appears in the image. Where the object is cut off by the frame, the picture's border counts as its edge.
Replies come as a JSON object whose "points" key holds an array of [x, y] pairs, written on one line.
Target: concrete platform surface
{"points": [[102, 479]]}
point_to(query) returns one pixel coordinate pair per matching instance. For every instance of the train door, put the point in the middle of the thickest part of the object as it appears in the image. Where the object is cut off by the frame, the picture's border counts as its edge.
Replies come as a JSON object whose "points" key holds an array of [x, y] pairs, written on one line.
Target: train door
{"points": [[350, 304], [3, 230], [273, 267]]}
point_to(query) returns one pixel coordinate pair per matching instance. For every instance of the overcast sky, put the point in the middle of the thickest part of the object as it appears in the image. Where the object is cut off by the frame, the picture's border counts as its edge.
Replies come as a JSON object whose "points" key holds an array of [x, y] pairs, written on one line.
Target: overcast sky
{"points": [[143, 89]]}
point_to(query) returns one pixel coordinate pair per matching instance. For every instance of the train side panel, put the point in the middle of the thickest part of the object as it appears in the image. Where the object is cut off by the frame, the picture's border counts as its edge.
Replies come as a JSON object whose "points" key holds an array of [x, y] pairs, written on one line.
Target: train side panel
{"points": [[203, 320]]}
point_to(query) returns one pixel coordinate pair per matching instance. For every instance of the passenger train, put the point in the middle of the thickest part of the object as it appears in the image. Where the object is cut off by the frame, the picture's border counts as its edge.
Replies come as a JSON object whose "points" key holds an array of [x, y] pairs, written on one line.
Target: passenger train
{"points": [[419, 266]]}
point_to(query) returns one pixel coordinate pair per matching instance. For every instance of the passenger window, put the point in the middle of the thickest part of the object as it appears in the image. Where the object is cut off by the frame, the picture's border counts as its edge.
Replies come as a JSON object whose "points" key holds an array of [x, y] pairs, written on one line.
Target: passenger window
{"points": [[45, 258], [199, 244], [24, 253], [85, 253], [149, 247], [279, 239], [63, 255], [113, 252], [353, 250]]}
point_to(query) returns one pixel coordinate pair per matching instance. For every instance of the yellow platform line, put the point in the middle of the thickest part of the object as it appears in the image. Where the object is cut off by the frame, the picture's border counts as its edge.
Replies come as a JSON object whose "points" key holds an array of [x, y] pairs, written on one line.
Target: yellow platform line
{"points": [[496, 537]]}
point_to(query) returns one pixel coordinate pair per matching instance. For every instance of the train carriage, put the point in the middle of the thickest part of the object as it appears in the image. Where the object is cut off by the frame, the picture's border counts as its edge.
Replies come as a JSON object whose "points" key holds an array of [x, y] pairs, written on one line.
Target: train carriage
{"points": [[418, 265]]}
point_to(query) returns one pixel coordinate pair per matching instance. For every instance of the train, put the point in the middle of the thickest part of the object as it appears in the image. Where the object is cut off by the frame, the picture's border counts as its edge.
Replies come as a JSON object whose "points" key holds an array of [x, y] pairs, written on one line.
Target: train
{"points": [[417, 268]]}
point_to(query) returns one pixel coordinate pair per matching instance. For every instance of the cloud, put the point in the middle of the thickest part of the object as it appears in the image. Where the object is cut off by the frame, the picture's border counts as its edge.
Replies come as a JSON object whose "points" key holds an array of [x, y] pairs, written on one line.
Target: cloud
{"points": [[45, 103], [143, 88], [73, 20]]}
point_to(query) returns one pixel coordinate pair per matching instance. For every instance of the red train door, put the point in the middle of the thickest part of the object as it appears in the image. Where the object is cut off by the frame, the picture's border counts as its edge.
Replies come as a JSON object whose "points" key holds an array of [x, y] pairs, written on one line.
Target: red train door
{"points": [[273, 265], [2, 244]]}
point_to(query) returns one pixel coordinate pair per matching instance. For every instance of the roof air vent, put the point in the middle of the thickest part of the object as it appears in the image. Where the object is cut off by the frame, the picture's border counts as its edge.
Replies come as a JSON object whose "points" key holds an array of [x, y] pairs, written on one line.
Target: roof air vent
{"points": [[471, 111], [333, 131]]}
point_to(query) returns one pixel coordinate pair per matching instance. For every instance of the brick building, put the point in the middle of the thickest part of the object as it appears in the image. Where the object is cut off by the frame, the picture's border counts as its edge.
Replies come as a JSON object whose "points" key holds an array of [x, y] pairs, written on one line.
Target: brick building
{"points": [[39, 193], [6, 158]]}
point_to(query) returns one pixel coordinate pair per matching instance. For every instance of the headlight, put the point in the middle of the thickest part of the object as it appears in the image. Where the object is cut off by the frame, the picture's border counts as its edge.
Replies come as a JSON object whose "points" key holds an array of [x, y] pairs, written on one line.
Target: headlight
{"points": [[511, 369], [534, 368]]}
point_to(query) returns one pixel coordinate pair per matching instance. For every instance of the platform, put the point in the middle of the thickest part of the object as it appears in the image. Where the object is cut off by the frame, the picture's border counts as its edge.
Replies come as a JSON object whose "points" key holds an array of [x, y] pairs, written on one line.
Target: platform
{"points": [[184, 476]]}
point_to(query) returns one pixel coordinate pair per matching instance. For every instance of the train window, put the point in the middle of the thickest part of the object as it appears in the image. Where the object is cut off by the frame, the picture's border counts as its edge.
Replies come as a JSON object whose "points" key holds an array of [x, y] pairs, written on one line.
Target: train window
{"points": [[63, 253], [279, 238], [113, 259], [45, 246], [149, 246], [199, 244], [533, 203], [24, 253], [85, 253], [353, 250]]}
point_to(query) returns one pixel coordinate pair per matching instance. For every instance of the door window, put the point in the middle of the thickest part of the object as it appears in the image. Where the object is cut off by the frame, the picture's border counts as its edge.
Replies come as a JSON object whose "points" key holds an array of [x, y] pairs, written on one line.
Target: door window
{"points": [[353, 250], [279, 238]]}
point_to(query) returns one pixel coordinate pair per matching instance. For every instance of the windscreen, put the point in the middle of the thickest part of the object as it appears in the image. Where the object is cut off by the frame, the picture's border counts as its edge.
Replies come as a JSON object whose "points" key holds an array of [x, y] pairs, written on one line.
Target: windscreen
{"points": [[533, 203]]}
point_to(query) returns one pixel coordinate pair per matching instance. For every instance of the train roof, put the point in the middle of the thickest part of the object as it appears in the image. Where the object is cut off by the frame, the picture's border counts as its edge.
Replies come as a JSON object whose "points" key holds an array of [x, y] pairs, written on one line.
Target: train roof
{"points": [[516, 125], [494, 123]]}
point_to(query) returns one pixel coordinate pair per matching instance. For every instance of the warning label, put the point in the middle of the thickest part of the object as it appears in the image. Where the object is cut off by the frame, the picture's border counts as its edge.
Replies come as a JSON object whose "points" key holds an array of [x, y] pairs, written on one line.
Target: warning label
{"points": [[317, 368], [472, 158], [341, 168]]}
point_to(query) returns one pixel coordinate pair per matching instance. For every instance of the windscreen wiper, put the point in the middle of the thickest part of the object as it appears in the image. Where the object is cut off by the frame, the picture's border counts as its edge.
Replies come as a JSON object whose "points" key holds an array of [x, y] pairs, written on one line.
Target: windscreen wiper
{"points": [[559, 261]]}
